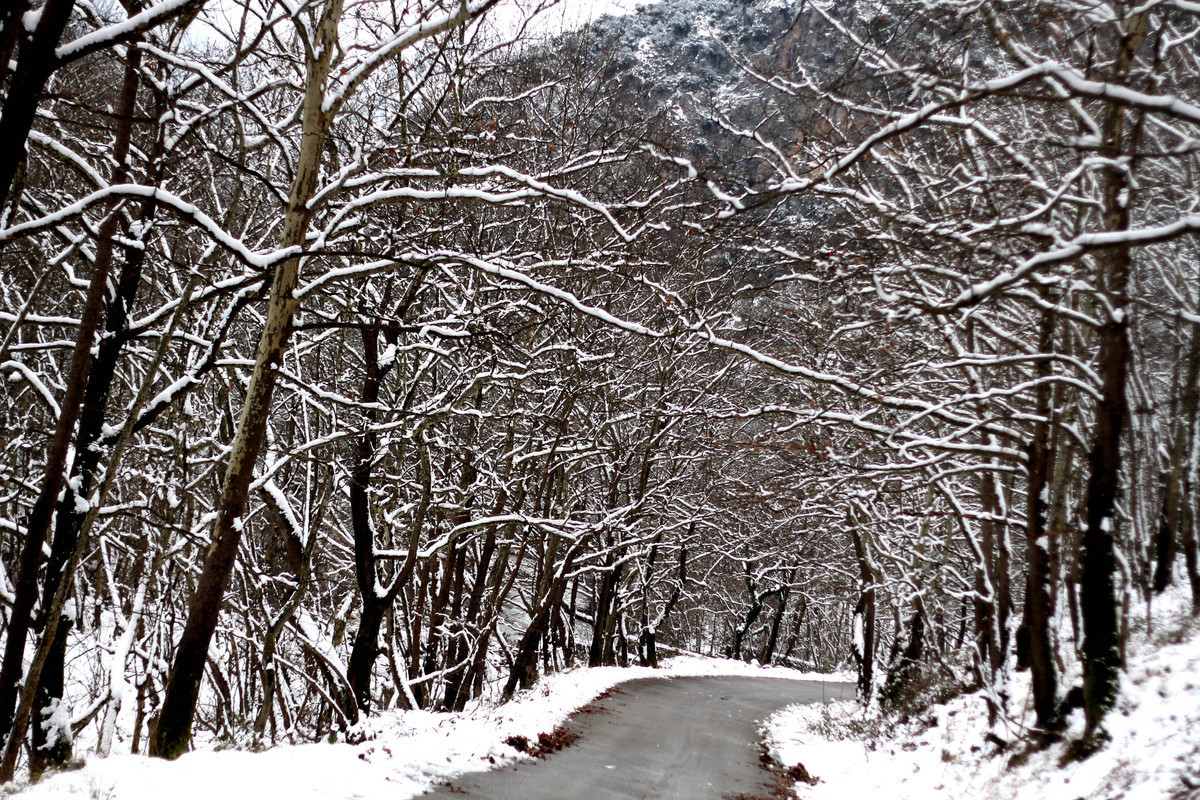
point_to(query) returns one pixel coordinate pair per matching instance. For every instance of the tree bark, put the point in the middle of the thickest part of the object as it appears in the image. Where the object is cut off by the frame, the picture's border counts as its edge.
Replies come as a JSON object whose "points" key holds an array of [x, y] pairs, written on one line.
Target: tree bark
{"points": [[459, 681], [987, 625], [69, 517], [35, 65], [172, 736], [1037, 593], [54, 478], [785, 591], [524, 670], [900, 685], [366, 640], [599, 653], [11, 17], [51, 750], [864, 618], [303, 546], [1174, 476], [1101, 640]]}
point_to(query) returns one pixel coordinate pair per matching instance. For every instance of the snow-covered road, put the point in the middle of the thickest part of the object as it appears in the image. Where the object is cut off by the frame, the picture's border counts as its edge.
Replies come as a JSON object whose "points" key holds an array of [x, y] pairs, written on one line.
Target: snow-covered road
{"points": [[403, 753], [687, 738]]}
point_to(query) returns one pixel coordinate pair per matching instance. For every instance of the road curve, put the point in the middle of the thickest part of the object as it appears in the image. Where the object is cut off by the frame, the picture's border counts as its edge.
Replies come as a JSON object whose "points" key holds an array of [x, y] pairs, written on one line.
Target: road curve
{"points": [[658, 739]]}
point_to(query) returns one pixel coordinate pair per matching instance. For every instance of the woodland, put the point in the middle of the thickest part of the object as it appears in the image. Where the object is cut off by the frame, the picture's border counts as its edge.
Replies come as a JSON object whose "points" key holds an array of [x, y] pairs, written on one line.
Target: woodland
{"points": [[373, 354]]}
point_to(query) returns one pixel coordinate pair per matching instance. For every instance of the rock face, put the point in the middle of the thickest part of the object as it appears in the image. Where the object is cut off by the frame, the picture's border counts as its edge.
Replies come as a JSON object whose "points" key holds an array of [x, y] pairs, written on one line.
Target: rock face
{"points": [[680, 47], [698, 47], [701, 65], [695, 53]]}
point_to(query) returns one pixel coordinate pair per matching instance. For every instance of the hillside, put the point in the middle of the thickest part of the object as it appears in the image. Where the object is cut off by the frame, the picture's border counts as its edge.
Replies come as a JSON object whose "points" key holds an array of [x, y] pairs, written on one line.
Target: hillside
{"points": [[949, 749]]}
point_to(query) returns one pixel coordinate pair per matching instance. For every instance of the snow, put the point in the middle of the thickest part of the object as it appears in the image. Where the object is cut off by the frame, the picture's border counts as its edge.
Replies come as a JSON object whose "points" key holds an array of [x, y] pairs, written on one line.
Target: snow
{"points": [[400, 753], [20, 371], [518, 276], [1171, 104], [120, 30], [388, 357], [285, 509], [1154, 752], [386, 51], [56, 723], [31, 18], [263, 260]]}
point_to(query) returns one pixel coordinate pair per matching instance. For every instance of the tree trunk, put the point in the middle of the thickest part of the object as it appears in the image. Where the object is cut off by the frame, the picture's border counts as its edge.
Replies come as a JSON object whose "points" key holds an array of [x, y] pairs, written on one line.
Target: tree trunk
{"points": [[606, 600], [768, 651], [1187, 522], [11, 19], [35, 65], [173, 733], [366, 640], [69, 516], [524, 670], [1101, 650], [1101, 640], [1002, 577], [901, 684], [54, 478], [990, 654], [1174, 493], [303, 547], [864, 618], [459, 681], [1037, 594], [363, 653], [51, 746]]}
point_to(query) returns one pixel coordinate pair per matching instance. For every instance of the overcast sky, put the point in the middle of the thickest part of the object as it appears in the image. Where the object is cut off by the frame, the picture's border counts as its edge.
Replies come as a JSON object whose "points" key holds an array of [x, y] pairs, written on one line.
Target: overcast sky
{"points": [[563, 15], [568, 14]]}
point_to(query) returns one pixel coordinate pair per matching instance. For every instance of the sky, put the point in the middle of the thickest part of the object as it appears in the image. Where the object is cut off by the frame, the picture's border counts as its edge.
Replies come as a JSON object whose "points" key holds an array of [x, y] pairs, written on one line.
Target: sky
{"points": [[572, 14], [562, 15]]}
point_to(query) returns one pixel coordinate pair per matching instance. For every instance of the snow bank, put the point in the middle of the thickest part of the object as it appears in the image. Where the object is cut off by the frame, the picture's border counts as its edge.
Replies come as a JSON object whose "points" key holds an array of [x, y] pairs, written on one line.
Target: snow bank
{"points": [[1154, 753], [404, 754]]}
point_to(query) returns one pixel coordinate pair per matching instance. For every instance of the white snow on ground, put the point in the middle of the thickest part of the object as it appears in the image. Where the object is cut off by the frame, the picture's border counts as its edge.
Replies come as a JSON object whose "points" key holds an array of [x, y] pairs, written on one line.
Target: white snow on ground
{"points": [[405, 752], [1154, 753]]}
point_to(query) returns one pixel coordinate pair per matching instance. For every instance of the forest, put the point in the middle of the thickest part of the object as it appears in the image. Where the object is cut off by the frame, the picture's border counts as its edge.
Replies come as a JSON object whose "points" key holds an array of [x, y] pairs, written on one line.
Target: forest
{"points": [[373, 354]]}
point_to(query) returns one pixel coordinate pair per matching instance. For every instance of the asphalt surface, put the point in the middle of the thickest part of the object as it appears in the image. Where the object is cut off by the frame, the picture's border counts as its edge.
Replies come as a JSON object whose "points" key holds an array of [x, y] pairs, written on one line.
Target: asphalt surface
{"points": [[659, 739]]}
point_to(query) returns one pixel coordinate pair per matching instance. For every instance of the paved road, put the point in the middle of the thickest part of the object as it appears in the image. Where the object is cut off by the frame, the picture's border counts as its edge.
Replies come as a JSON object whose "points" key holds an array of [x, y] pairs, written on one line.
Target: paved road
{"points": [[678, 739]]}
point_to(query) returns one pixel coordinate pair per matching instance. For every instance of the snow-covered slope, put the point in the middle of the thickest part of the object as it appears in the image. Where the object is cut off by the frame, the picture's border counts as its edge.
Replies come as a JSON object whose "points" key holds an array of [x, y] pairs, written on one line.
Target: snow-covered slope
{"points": [[1154, 752]]}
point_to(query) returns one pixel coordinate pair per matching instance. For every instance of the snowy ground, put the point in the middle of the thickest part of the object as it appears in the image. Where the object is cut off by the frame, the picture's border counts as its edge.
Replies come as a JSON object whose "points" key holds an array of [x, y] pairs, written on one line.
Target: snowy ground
{"points": [[1154, 753], [405, 753]]}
